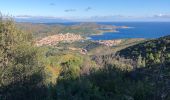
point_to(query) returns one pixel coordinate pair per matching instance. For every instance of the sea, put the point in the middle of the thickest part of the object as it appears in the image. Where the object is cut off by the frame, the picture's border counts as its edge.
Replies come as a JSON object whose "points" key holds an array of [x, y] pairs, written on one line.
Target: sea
{"points": [[147, 30]]}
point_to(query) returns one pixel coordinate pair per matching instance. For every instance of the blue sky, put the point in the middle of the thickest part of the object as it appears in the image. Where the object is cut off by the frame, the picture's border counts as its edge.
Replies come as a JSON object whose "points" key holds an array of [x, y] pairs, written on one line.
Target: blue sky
{"points": [[90, 9]]}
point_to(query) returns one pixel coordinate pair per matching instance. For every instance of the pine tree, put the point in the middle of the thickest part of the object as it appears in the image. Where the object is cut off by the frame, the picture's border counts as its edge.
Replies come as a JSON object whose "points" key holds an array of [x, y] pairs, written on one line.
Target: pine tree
{"points": [[151, 57], [139, 61], [143, 62]]}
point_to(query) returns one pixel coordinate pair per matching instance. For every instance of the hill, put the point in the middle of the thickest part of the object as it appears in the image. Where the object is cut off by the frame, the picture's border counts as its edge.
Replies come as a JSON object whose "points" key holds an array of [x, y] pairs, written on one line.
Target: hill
{"points": [[40, 30], [62, 72], [152, 49]]}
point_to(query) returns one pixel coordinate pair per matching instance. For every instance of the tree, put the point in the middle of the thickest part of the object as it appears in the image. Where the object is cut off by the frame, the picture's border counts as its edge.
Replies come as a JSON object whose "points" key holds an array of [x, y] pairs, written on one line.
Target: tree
{"points": [[139, 61], [144, 62], [158, 57], [21, 74]]}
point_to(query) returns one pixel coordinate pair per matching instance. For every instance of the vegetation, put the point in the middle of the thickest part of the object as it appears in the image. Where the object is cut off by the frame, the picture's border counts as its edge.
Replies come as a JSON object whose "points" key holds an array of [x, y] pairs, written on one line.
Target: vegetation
{"points": [[28, 72], [20, 68], [83, 29], [152, 52]]}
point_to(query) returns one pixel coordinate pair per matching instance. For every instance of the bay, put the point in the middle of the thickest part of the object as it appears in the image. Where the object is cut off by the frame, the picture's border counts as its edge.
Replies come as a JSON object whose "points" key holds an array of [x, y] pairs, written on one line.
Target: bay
{"points": [[147, 30]]}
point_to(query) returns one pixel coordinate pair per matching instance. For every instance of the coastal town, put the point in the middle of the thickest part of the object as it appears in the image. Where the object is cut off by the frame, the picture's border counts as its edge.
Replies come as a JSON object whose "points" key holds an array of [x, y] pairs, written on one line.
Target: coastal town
{"points": [[71, 37], [54, 39], [110, 43]]}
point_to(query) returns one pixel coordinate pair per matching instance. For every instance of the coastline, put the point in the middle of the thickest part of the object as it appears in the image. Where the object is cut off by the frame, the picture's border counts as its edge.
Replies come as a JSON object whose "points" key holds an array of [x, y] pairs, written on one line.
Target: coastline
{"points": [[111, 31]]}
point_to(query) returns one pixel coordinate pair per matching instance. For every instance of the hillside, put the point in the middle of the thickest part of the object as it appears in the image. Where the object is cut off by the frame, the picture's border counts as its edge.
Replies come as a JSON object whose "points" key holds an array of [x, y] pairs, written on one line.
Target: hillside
{"points": [[64, 72], [152, 51], [40, 30]]}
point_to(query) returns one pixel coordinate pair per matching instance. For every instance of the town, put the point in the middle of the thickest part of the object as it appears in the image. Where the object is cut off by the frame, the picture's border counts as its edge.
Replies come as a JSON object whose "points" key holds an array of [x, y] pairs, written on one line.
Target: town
{"points": [[54, 39]]}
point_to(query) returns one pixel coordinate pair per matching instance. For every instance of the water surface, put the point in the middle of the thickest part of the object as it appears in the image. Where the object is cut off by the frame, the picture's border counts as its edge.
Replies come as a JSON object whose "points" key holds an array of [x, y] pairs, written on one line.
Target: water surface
{"points": [[146, 30]]}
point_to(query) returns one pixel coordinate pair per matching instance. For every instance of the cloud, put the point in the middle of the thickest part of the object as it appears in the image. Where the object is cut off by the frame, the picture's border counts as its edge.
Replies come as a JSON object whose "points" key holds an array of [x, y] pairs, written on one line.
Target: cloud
{"points": [[70, 10], [88, 9], [162, 16], [109, 17], [52, 4], [23, 16], [30, 16], [73, 10]]}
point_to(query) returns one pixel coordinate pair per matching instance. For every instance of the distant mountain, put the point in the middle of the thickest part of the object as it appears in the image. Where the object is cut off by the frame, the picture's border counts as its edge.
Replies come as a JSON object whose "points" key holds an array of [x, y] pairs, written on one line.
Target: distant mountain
{"points": [[40, 19]]}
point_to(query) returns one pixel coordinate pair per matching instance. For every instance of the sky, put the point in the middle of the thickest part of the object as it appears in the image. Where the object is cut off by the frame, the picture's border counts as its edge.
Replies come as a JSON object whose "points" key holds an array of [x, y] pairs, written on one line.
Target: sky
{"points": [[102, 10]]}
